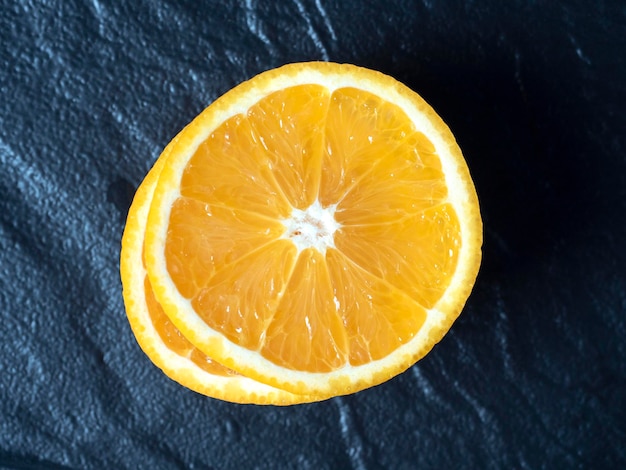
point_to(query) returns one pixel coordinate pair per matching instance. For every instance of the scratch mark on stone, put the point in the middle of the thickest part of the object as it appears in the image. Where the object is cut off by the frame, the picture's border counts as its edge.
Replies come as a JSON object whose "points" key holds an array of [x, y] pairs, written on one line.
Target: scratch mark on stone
{"points": [[501, 331], [311, 30], [326, 19], [426, 386], [481, 411], [351, 438], [255, 26], [489, 424], [583, 57], [423, 382], [518, 75], [97, 7], [30, 180], [579, 52]]}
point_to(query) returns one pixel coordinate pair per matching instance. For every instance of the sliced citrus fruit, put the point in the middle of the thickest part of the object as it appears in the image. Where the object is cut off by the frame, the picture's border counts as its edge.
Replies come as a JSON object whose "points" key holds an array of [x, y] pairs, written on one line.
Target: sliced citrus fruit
{"points": [[315, 229], [162, 342]]}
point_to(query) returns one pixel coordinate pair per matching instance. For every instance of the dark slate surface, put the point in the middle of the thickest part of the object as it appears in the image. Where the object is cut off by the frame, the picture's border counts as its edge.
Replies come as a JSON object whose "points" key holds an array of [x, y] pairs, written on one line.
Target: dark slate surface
{"points": [[533, 375]]}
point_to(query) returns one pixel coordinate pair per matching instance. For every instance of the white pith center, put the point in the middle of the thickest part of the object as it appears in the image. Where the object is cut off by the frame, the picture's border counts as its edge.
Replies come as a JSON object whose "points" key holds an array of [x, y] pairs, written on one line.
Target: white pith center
{"points": [[313, 227]]}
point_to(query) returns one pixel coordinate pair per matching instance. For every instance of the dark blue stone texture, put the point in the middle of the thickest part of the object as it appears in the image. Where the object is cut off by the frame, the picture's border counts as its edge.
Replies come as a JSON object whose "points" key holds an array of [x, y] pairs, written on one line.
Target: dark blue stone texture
{"points": [[531, 376]]}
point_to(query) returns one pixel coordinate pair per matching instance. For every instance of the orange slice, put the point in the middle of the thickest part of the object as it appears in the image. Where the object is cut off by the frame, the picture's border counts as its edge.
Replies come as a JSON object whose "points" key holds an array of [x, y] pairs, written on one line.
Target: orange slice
{"points": [[161, 340], [315, 229]]}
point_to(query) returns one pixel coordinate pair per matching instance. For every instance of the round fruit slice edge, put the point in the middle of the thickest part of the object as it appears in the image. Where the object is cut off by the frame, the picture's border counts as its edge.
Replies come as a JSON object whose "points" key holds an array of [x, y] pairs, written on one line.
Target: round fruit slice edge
{"points": [[461, 194]]}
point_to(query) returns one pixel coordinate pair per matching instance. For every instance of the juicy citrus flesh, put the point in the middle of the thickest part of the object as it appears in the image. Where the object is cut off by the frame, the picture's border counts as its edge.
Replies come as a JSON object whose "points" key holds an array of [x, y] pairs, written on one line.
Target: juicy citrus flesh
{"points": [[316, 229], [162, 341], [395, 252]]}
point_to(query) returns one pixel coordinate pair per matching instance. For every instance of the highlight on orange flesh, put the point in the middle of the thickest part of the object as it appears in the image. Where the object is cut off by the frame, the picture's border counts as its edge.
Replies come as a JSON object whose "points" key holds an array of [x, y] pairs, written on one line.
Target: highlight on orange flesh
{"points": [[315, 229]]}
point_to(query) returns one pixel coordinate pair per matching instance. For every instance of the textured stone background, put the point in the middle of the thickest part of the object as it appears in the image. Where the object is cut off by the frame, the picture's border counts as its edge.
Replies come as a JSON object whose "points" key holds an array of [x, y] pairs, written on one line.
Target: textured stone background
{"points": [[533, 374]]}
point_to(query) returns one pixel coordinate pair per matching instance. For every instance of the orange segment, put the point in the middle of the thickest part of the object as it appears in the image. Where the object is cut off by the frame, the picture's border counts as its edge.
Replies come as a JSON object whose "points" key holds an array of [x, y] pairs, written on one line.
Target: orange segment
{"points": [[287, 126], [203, 238], [378, 318], [399, 185], [361, 129], [215, 177], [306, 332], [417, 254], [241, 299]]}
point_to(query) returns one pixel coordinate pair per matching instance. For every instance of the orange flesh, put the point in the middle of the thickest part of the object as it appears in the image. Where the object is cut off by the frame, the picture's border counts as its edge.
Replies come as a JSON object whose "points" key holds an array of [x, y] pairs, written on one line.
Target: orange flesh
{"points": [[395, 251]]}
